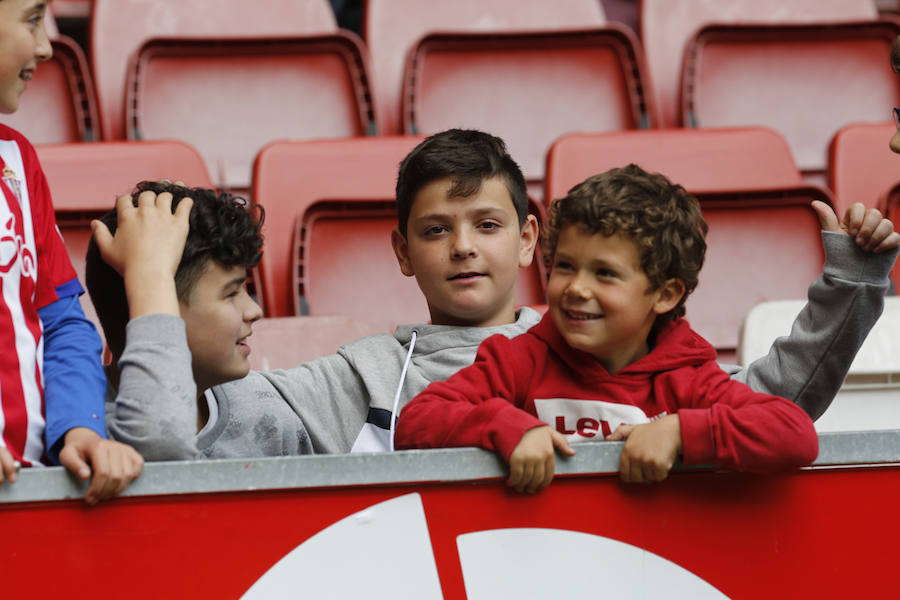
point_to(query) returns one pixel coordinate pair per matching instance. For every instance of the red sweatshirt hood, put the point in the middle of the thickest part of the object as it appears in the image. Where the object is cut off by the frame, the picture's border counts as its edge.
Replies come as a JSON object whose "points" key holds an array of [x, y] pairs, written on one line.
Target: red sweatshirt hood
{"points": [[677, 346]]}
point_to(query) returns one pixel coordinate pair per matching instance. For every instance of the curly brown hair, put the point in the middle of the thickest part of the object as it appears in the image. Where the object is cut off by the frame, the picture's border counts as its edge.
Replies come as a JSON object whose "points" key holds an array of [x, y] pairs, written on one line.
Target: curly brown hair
{"points": [[661, 217]]}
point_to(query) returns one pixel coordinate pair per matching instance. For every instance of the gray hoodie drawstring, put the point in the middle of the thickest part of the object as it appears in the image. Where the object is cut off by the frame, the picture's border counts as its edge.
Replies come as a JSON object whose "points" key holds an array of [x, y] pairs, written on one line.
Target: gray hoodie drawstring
{"points": [[394, 411]]}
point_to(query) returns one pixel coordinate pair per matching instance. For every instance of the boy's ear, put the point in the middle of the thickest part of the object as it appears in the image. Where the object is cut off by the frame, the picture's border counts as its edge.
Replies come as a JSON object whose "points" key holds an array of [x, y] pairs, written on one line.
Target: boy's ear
{"points": [[527, 241], [668, 296], [401, 250]]}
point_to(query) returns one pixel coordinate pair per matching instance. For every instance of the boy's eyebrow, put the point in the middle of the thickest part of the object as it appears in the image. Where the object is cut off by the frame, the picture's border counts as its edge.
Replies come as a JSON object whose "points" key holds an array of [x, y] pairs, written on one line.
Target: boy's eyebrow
{"points": [[476, 213], [235, 281]]}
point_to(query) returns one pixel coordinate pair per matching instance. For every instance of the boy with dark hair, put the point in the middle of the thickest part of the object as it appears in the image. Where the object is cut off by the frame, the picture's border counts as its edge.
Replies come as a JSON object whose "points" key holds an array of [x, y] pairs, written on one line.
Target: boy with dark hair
{"points": [[613, 358], [464, 233], [177, 325], [51, 381]]}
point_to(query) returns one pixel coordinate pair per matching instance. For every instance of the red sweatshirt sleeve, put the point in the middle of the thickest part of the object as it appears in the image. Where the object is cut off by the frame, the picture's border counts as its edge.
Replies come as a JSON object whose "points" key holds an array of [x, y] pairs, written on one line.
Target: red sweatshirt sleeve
{"points": [[478, 406], [727, 424]]}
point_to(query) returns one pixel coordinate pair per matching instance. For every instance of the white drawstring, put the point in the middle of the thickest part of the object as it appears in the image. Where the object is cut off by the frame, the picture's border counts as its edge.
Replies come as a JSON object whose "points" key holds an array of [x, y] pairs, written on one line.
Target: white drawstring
{"points": [[394, 415]]}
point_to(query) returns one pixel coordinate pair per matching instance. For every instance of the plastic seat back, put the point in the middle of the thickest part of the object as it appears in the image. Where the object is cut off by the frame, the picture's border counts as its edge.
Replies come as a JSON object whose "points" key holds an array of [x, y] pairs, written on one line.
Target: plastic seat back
{"points": [[702, 160], [861, 166], [229, 98], [878, 360], [284, 342], [762, 245], [392, 27], [119, 28], [289, 176], [804, 81], [528, 88], [667, 25]]}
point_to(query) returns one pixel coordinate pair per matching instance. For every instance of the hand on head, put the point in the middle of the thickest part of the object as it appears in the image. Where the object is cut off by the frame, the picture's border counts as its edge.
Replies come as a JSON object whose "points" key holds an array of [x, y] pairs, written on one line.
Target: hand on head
{"points": [[146, 249], [147, 235], [872, 232]]}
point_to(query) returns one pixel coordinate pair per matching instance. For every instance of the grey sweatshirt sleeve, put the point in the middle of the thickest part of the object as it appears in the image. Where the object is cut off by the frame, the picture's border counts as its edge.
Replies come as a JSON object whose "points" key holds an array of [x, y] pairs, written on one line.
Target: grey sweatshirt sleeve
{"points": [[327, 393], [844, 302], [155, 410]]}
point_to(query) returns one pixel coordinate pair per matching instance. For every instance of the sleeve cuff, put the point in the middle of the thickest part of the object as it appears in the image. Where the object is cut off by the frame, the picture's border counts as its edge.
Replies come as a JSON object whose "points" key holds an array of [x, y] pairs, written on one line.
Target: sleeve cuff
{"points": [[696, 436], [514, 423], [845, 260]]}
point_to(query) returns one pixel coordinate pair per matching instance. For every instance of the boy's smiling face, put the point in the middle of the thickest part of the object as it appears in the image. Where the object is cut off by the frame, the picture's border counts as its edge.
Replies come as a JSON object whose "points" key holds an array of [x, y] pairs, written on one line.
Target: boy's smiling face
{"points": [[465, 253], [23, 43], [600, 298], [218, 315]]}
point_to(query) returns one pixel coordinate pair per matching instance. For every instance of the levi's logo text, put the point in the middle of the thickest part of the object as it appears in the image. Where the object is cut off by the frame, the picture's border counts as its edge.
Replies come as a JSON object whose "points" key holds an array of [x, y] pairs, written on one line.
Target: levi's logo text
{"points": [[581, 420]]}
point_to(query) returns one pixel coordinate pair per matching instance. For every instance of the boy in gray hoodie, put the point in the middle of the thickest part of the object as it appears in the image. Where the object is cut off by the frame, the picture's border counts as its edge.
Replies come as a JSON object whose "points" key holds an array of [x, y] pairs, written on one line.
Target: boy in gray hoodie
{"points": [[463, 233]]}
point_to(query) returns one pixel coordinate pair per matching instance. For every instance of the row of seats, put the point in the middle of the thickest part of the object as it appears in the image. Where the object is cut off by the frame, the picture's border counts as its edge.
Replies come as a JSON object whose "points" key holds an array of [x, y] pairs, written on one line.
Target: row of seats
{"points": [[228, 81], [330, 209]]}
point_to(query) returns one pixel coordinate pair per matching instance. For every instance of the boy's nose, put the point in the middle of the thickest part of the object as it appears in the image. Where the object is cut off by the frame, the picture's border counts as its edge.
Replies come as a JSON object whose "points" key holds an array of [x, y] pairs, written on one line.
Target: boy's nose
{"points": [[253, 312], [43, 50], [576, 289], [462, 246]]}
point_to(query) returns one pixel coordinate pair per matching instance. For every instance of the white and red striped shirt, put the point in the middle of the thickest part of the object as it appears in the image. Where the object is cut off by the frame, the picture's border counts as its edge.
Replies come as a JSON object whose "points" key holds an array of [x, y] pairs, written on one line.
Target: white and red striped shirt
{"points": [[33, 265]]}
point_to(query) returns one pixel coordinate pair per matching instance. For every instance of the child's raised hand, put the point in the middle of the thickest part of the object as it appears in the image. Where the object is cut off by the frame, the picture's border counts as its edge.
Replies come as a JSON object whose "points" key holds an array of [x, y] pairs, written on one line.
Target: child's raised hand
{"points": [[8, 467], [533, 462], [873, 233], [147, 236], [146, 249], [650, 449]]}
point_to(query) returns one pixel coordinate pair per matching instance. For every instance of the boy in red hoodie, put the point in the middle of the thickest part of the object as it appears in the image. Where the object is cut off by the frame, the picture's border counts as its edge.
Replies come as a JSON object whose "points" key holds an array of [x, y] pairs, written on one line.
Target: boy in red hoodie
{"points": [[612, 358]]}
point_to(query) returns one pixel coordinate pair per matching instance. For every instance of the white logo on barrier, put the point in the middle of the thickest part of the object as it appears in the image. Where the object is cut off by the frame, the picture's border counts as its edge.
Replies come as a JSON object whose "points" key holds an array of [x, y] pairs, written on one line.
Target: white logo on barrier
{"points": [[384, 553]]}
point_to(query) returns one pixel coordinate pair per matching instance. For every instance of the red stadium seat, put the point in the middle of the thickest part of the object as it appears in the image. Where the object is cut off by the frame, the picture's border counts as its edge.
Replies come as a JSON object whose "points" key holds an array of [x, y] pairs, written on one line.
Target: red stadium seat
{"points": [[120, 27], [804, 81], [393, 26], [59, 104], [86, 179], [344, 265], [861, 166], [528, 88], [289, 176], [72, 9], [702, 160], [229, 98], [762, 245], [343, 251], [284, 342], [667, 25]]}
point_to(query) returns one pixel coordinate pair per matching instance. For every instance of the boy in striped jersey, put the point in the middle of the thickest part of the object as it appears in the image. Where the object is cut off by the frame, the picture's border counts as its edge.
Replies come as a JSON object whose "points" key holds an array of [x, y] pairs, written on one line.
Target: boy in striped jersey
{"points": [[51, 383]]}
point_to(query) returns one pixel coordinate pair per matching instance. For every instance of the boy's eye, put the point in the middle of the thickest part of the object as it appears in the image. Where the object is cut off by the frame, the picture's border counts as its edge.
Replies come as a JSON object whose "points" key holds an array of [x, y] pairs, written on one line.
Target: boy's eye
{"points": [[562, 265], [489, 225], [605, 273], [435, 230]]}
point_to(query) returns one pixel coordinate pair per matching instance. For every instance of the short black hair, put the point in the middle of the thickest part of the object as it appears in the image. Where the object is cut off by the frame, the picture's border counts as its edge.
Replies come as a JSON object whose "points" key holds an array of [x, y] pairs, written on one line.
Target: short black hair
{"points": [[223, 228], [467, 157]]}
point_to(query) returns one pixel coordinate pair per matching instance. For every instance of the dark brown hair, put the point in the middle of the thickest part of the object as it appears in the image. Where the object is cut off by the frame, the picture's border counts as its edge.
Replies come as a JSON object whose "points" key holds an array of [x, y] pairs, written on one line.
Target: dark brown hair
{"points": [[467, 157], [662, 219], [223, 228]]}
